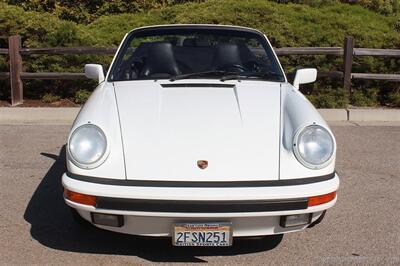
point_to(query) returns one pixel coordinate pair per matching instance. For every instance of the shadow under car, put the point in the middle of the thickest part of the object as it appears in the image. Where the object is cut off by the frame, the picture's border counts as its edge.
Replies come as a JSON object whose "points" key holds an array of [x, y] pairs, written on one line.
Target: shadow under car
{"points": [[52, 225]]}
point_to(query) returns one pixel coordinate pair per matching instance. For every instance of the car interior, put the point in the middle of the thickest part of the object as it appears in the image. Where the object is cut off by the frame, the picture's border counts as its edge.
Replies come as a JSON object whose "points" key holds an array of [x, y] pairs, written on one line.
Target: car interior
{"points": [[165, 59]]}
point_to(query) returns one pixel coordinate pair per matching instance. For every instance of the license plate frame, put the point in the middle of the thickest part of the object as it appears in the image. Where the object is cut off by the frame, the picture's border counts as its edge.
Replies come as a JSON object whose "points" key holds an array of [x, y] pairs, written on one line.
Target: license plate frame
{"points": [[205, 231]]}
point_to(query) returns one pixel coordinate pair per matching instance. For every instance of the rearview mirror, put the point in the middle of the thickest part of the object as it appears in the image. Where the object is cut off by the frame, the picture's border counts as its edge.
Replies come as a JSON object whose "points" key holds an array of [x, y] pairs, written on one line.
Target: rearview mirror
{"points": [[304, 76], [95, 72]]}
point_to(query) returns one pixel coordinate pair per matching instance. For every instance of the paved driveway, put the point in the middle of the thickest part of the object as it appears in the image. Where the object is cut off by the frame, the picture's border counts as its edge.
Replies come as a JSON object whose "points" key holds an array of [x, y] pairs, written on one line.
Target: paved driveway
{"points": [[35, 225]]}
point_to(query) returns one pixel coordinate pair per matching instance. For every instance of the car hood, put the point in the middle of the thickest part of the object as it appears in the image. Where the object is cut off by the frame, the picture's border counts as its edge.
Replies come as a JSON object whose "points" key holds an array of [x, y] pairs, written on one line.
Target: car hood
{"points": [[168, 127]]}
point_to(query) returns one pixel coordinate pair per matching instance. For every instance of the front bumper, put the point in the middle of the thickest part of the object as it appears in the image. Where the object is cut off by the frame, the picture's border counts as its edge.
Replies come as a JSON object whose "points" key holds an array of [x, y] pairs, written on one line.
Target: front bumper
{"points": [[158, 222]]}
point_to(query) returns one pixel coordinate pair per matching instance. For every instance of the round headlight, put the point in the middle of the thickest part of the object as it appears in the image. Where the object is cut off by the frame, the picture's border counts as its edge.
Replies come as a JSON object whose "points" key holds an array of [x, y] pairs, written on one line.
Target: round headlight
{"points": [[314, 146], [87, 144]]}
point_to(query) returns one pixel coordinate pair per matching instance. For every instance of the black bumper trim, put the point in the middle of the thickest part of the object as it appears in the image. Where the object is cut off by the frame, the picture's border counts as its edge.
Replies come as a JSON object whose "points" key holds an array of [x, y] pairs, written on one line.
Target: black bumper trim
{"points": [[200, 206], [214, 184]]}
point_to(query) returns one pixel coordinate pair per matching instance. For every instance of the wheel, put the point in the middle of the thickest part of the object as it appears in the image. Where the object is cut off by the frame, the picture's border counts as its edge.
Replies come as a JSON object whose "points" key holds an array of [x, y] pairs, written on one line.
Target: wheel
{"points": [[319, 220], [78, 219]]}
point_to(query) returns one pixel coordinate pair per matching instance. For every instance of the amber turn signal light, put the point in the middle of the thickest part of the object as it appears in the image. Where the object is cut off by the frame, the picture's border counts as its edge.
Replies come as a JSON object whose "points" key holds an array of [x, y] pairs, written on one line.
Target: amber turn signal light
{"points": [[80, 198], [321, 199]]}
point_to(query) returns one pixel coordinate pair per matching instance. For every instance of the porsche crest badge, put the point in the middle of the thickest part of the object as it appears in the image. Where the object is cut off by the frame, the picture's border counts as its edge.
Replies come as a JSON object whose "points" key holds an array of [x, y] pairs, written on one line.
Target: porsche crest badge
{"points": [[202, 164]]}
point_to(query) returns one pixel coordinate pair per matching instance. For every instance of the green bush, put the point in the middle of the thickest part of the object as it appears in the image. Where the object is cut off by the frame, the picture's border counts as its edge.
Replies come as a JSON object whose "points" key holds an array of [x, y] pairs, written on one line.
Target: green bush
{"points": [[365, 97], [330, 98], [396, 25], [392, 98], [385, 7], [50, 98], [83, 11], [315, 23], [81, 96], [286, 25]]}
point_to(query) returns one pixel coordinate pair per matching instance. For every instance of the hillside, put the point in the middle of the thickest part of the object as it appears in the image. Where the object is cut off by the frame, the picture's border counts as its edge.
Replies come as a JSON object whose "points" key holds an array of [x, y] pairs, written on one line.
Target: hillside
{"points": [[285, 25]]}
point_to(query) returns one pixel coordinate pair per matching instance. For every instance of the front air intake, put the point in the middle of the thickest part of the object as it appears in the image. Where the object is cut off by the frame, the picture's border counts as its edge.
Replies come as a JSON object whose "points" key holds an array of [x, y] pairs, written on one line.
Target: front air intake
{"points": [[197, 85]]}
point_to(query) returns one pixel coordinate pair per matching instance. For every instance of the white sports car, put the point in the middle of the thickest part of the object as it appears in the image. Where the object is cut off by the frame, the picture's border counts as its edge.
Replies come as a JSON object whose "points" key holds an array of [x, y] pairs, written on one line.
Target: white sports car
{"points": [[195, 133]]}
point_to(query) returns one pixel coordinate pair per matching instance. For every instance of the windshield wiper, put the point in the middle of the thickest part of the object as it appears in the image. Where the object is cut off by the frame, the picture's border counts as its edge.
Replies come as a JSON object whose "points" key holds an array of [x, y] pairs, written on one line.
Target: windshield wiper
{"points": [[255, 75], [204, 73]]}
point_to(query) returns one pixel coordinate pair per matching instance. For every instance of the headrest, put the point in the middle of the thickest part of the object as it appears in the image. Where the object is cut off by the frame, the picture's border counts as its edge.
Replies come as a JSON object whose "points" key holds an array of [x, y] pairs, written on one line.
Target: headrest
{"points": [[226, 54], [189, 42], [160, 60], [202, 42], [199, 42]]}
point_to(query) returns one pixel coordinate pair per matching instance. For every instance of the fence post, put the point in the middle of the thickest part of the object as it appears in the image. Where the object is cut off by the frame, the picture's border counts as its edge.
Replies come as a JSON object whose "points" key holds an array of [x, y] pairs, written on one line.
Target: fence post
{"points": [[14, 44], [348, 63]]}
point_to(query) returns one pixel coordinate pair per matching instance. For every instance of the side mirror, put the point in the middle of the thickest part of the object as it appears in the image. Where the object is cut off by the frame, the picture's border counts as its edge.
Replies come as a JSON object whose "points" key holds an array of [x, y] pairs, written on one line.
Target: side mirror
{"points": [[304, 76], [95, 72]]}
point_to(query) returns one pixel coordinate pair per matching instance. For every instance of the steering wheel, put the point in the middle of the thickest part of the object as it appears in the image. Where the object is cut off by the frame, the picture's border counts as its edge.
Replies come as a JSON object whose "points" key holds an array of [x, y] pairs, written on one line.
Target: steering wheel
{"points": [[233, 68], [253, 65], [183, 67]]}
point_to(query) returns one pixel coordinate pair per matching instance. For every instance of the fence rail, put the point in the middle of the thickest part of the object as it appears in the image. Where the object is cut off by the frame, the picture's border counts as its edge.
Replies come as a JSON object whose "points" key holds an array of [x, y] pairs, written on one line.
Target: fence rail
{"points": [[52, 75], [376, 52], [69, 50], [309, 51], [387, 77], [348, 52]]}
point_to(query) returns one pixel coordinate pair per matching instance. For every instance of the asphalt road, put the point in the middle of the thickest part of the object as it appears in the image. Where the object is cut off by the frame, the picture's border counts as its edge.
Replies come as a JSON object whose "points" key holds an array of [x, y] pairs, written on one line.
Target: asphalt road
{"points": [[36, 228]]}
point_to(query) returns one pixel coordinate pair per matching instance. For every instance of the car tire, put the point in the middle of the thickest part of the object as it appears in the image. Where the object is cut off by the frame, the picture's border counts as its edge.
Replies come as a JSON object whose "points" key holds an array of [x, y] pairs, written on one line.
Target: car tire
{"points": [[78, 219], [319, 220]]}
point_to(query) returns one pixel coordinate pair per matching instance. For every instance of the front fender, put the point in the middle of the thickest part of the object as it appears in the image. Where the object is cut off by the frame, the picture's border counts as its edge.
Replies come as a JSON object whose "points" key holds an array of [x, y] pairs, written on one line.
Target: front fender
{"points": [[296, 113], [101, 110]]}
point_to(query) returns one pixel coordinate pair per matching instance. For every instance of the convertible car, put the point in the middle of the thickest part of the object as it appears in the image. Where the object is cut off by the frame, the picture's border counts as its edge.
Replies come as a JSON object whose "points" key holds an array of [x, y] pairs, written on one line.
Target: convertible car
{"points": [[196, 134]]}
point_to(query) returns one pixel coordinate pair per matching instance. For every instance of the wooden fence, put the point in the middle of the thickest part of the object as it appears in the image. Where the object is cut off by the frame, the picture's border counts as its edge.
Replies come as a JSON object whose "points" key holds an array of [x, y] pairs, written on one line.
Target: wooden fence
{"points": [[16, 74]]}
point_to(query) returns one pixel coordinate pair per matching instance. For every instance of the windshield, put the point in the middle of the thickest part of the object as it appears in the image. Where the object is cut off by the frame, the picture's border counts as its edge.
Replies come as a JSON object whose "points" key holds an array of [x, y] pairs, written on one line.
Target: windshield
{"points": [[195, 52]]}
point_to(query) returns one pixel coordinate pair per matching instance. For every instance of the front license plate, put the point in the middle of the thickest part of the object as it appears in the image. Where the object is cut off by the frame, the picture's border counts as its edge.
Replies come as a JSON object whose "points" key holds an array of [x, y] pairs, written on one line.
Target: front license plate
{"points": [[202, 234]]}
